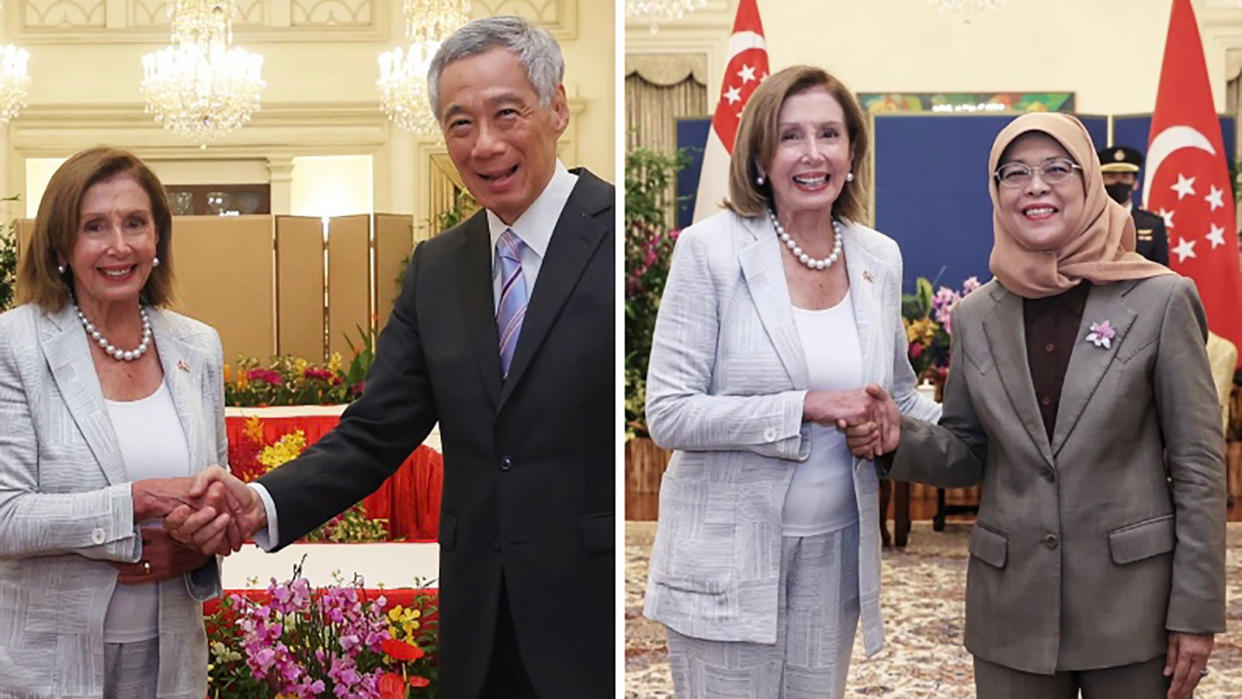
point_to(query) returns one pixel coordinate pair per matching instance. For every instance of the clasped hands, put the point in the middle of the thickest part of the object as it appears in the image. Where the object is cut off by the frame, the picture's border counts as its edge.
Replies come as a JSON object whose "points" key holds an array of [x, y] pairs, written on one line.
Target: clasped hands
{"points": [[868, 417], [211, 512]]}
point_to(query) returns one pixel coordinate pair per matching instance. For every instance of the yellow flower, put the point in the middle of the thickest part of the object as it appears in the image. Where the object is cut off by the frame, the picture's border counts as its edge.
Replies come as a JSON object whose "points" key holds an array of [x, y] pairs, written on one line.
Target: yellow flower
{"points": [[334, 363], [228, 373], [286, 449], [922, 330], [299, 367]]}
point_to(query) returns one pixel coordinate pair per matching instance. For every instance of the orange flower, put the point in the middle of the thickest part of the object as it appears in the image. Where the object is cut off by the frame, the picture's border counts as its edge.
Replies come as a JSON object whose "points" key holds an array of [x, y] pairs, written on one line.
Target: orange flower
{"points": [[417, 681], [400, 650], [254, 429]]}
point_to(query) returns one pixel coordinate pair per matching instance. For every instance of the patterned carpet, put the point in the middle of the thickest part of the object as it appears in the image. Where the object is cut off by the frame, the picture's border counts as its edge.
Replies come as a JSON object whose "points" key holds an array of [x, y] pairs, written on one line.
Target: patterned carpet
{"points": [[924, 586]]}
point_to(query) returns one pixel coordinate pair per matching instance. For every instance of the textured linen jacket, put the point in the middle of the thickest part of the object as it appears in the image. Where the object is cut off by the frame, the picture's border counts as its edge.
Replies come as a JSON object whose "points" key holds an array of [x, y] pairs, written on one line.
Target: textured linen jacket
{"points": [[725, 388], [66, 509], [1088, 546]]}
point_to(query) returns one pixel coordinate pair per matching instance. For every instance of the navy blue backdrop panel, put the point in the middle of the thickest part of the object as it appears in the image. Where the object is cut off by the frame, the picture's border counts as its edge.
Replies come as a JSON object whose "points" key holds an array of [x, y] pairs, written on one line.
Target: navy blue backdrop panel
{"points": [[931, 191], [691, 137], [1135, 131]]}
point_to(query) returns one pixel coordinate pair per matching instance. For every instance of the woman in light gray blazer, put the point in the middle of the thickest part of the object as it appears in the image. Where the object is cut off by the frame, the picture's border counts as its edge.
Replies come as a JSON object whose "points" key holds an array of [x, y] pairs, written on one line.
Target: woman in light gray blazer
{"points": [[776, 314], [107, 406]]}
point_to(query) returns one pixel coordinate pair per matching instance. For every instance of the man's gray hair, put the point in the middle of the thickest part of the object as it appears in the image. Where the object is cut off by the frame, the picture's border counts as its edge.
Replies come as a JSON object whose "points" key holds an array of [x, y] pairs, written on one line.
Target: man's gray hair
{"points": [[533, 45]]}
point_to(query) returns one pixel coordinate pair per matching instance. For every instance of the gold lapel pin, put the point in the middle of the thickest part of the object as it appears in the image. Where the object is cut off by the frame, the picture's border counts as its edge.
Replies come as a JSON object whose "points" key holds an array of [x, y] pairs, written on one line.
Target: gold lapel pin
{"points": [[183, 366], [867, 275]]}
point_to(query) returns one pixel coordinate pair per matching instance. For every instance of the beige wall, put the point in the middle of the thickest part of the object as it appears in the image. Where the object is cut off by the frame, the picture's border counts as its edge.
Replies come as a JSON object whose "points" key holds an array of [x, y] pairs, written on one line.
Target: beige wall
{"points": [[320, 97], [1107, 51]]}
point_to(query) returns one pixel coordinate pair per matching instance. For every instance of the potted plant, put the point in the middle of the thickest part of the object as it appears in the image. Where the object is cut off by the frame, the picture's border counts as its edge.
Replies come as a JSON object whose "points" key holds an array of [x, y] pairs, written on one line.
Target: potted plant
{"points": [[649, 176]]}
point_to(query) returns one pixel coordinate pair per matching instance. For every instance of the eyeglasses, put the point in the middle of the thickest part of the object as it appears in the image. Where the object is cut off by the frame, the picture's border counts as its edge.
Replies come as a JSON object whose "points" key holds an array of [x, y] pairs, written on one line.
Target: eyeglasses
{"points": [[1015, 175]]}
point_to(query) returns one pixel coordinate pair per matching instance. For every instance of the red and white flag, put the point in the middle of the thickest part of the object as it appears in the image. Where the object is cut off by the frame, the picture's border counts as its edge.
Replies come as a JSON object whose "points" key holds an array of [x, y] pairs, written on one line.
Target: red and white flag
{"points": [[747, 65], [1188, 179]]}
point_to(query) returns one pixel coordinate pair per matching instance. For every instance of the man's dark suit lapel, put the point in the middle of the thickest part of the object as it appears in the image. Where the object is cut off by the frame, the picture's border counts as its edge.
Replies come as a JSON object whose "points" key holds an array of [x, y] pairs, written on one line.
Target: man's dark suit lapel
{"points": [[474, 281], [574, 241]]}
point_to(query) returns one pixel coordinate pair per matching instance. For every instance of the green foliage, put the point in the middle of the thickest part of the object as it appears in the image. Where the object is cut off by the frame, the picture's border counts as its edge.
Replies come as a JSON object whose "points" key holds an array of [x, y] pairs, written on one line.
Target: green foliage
{"points": [[364, 357], [352, 526], [8, 259], [649, 176], [458, 212]]}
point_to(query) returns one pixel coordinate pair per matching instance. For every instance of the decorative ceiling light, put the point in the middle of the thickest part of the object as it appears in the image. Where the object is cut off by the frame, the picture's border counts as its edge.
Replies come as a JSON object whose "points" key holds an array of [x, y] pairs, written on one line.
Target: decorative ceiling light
{"points": [[403, 73], [202, 86], [959, 5], [14, 82], [656, 11]]}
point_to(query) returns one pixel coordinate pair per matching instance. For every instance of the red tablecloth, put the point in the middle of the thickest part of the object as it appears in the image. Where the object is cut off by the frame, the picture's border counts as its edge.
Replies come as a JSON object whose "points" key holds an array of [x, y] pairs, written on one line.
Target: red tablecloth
{"points": [[409, 500]]}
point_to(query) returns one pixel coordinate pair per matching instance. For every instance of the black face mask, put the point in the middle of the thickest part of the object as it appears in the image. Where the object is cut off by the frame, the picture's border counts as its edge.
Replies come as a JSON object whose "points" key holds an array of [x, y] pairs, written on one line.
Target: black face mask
{"points": [[1119, 191]]}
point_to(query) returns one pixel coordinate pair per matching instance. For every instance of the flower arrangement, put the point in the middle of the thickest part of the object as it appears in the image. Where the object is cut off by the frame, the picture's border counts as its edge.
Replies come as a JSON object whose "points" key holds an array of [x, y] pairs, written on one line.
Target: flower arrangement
{"points": [[649, 244], [927, 317], [287, 380], [250, 457], [335, 641]]}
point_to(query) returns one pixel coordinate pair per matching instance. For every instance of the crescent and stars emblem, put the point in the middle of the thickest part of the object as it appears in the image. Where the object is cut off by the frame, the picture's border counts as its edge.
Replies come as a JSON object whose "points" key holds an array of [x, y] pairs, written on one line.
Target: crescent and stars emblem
{"points": [[1167, 142]]}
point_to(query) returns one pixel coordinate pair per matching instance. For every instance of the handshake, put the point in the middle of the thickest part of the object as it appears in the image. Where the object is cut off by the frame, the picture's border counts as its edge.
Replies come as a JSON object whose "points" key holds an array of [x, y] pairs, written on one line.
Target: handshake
{"points": [[868, 417], [212, 512]]}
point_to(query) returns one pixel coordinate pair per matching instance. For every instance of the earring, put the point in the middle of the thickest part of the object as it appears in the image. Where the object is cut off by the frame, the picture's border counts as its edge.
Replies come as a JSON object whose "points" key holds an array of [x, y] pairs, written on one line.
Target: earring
{"points": [[849, 177], [759, 180], [155, 262], [60, 269]]}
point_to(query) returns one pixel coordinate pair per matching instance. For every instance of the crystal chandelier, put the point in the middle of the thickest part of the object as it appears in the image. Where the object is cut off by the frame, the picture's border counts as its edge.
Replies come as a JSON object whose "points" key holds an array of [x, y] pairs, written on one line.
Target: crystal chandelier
{"points": [[202, 86], [14, 82], [655, 11], [959, 5], [403, 73]]}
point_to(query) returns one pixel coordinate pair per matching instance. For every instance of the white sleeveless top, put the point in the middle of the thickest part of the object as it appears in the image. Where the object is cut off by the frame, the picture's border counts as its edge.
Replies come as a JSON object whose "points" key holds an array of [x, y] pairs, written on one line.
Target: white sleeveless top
{"points": [[821, 496], [153, 445]]}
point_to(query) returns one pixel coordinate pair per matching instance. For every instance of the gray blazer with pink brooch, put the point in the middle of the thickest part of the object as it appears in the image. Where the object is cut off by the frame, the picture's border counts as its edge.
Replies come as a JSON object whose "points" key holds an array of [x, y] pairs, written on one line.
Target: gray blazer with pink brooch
{"points": [[1088, 546], [66, 510], [725, 389]]}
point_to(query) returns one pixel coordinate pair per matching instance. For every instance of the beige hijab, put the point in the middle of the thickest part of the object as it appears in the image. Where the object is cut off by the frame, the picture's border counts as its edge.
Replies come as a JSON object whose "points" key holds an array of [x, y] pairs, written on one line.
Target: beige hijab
{"points": [[1098, 247]]}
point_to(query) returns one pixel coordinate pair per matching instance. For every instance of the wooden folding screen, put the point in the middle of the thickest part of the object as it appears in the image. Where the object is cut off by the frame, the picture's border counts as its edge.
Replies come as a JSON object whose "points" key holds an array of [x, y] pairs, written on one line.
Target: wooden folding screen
{"points": [[349, 281], [299, 286], [394, 242], [224, 277]]}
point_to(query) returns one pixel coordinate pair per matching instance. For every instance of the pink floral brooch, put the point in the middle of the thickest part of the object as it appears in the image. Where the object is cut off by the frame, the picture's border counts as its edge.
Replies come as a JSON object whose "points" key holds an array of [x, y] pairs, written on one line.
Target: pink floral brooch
{"points": [[1101, 334]]}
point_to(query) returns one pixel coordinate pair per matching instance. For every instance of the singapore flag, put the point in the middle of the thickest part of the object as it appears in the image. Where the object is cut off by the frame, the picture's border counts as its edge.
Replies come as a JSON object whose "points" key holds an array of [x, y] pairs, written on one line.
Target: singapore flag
{"points": [[1188, 179], [747, 66]]}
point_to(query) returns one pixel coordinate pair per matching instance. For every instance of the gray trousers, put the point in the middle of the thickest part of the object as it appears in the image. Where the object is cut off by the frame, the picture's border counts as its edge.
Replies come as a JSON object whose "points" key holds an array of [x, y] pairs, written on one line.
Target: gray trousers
{"points": [[131, 670], [1137, 681], [817, 616]]}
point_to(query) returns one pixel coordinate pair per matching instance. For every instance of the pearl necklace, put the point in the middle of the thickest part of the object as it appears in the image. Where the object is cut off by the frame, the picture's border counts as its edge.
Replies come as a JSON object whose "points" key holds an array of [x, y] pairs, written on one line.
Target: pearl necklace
{"points": [[838, 230], [112, 350]]}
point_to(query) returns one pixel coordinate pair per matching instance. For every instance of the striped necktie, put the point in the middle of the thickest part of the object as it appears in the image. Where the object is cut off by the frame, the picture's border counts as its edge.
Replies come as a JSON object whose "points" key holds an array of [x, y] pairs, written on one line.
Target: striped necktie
{"points": [[512, 307]]}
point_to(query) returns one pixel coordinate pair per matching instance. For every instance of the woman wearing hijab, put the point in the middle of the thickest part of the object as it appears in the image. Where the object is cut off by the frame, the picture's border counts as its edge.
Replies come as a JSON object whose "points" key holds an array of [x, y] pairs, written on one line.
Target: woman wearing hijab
{"points": [[1080, 395]]}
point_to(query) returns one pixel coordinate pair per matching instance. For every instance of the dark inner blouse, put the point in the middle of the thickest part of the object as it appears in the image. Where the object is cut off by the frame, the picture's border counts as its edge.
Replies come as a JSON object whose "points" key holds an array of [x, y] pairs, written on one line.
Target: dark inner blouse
{"points": [[1051, 331]]}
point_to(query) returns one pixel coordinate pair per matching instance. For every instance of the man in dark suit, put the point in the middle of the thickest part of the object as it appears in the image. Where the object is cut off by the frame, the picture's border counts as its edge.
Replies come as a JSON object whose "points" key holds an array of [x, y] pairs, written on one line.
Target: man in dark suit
{"points": [[1121, 165], [504, 334]]}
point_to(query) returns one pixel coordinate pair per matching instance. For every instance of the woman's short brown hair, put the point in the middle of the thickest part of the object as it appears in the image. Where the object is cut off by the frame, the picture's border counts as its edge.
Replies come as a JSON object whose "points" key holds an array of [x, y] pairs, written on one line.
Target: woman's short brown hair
{"points": [[56, 228], [757, 137]]}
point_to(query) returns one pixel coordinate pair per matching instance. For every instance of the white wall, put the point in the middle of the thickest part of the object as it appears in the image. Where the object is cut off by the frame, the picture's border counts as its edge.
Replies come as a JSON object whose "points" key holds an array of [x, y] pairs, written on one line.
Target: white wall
{"points": [[320, 97], [332, 185]]}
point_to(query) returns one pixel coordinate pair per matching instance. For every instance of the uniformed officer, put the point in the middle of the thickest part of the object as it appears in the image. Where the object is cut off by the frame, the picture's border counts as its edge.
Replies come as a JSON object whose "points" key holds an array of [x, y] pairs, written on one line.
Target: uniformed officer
{"points": [[1121, 165]]}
